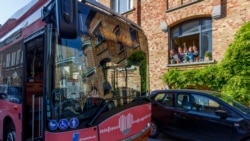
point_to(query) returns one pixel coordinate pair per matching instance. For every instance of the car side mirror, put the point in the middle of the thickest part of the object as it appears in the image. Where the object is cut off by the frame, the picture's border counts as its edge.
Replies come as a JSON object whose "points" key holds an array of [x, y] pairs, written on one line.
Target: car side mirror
{"points": [[221, 113]]}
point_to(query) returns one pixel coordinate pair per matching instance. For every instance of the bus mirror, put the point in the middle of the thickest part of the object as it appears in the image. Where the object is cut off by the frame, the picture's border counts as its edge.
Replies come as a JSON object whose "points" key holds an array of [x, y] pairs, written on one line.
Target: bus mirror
{"points": [[67, 18]]}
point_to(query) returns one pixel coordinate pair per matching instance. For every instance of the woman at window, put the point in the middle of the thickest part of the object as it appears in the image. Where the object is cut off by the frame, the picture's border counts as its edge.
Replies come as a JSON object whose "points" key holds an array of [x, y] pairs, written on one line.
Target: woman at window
{"points": [[185, 51], [181, 54], [195, 53]]}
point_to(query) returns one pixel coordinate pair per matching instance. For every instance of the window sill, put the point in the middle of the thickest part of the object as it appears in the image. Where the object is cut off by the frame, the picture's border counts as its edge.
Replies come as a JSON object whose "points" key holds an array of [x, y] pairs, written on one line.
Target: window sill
{"points": [[192, 64]]}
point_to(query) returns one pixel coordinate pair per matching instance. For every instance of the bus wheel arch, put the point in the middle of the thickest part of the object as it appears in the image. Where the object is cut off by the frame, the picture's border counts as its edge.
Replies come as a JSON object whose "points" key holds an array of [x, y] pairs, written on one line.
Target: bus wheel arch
{"points": [[9, 132]]}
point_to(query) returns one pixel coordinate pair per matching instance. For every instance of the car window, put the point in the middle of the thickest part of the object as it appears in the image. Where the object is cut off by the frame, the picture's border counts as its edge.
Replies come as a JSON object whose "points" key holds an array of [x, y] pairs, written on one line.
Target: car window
{"points": [[203, 104], [3, 89], [14, 91], [206, 104], [165, 99], [197, 103], [186, 101]]}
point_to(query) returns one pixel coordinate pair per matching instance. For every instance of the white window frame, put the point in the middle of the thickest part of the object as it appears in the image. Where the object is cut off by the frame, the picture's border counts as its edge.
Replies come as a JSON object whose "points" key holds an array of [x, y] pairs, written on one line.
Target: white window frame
{"points": [[117, 5]]}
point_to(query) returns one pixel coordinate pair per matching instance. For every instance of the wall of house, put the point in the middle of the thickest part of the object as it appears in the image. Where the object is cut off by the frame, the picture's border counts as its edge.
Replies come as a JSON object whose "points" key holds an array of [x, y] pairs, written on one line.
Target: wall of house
{"points": [[150, 13]]}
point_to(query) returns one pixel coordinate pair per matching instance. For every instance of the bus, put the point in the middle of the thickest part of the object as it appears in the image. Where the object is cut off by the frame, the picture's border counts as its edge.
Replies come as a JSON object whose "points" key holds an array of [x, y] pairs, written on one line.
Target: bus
{"points": [[73, 71]]}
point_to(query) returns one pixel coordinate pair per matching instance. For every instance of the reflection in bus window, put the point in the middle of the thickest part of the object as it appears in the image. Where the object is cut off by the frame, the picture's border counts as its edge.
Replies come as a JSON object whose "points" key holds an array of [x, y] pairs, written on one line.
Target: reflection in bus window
{"points": [[90, 69]]}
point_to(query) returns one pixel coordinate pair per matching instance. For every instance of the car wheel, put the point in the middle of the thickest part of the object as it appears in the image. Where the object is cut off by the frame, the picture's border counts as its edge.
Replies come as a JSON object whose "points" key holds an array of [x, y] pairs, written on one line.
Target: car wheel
{"points": [[11, 133], [154, 130]]}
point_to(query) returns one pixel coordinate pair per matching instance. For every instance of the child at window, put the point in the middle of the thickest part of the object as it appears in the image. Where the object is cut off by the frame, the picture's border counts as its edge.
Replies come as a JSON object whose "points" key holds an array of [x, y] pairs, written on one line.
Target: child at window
{"points": [[174, 58], [190, 54]]}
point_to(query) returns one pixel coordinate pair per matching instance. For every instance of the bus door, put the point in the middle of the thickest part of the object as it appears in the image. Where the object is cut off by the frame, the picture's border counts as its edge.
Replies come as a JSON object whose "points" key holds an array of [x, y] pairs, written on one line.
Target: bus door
{"points": [[34, 56]]}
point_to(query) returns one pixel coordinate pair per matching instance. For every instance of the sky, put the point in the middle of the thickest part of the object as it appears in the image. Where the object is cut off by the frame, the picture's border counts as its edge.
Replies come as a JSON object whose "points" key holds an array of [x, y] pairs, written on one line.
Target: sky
{"points": [[10, 7]]}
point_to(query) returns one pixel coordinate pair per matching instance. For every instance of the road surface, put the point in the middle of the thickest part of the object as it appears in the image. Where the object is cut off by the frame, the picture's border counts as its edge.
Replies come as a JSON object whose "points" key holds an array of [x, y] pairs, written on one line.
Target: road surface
{"points": [[162, 137]]}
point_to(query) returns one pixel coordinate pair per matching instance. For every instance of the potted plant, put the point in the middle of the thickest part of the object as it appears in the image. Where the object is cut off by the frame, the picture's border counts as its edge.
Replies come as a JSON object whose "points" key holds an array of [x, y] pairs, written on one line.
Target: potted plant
{"points": [[208, 55]]}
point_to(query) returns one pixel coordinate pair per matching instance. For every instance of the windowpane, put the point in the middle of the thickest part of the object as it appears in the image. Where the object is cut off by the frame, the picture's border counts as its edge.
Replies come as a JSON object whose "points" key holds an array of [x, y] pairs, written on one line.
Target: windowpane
{"points": [[122, 6], [130, 4], [190, 40], [114, 5], [190, 27], [206, 24], [134, 37], [159, 97], [165, 99], [206, 42], [175, 32], [168, 100], [186, 101], [207, 105]]}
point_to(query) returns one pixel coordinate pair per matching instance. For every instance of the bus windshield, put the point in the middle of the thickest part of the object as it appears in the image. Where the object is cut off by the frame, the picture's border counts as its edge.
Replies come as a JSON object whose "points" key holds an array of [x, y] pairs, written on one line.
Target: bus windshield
{"points": [[106, 64]]}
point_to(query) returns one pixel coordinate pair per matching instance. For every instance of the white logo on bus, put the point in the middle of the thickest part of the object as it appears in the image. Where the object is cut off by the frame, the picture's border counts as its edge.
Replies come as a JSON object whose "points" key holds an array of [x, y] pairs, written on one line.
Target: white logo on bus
{"points": [[125, 123]]}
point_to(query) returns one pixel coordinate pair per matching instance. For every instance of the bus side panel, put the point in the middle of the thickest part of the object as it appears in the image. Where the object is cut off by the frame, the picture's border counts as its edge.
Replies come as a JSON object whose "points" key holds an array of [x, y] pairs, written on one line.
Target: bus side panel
{"points": [[126, 123], [120, 126], [87, 134], [12, 111]]}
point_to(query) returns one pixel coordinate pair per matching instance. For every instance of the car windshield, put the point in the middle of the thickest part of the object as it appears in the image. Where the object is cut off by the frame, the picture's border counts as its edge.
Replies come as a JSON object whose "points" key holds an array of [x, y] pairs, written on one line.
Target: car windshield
{"points": [[234, 103]]}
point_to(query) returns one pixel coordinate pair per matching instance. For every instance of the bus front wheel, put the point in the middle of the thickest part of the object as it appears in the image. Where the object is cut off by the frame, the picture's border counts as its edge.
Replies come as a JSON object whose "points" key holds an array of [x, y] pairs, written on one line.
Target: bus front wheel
{"points": [[11, 133]]}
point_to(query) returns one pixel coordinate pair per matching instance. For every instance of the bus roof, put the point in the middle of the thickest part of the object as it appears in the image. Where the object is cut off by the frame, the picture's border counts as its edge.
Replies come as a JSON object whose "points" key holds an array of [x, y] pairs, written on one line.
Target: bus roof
{"points": [[20, 18], [32, 12]]}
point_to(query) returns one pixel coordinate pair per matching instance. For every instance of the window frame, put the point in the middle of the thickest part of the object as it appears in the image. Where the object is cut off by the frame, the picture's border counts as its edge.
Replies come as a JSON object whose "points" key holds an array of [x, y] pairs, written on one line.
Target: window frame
{"points": [[116, 4], [165, 98], [176, 36]]}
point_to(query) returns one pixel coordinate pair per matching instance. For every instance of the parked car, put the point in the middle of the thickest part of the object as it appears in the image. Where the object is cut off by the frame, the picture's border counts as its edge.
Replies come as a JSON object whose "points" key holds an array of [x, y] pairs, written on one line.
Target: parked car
{"points": [[199, 115], [11, 93]]}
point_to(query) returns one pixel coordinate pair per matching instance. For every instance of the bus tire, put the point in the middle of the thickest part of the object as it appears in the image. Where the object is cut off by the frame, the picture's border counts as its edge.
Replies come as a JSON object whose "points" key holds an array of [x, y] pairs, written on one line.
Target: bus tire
{"points": [[11, 132]]}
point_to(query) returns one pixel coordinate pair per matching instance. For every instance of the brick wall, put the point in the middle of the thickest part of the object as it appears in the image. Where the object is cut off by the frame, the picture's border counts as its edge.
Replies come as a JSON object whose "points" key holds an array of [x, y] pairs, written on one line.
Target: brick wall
{"points": [[150, 13]]}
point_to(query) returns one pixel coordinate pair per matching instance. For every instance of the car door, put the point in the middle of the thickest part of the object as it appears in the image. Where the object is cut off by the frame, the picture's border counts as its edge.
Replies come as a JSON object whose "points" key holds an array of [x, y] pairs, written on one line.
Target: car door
{"points": [[185, 119], [197, 120], [214, 127], [162, 110]]}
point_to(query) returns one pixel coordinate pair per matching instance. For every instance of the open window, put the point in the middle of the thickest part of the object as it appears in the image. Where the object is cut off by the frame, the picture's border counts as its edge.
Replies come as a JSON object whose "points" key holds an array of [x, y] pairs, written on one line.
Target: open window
{"points": [[191, 41]]}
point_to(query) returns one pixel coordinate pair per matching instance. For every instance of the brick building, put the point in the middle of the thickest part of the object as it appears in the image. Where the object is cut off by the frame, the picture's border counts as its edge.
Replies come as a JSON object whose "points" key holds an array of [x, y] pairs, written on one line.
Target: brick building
{"points": [[209, 25]]}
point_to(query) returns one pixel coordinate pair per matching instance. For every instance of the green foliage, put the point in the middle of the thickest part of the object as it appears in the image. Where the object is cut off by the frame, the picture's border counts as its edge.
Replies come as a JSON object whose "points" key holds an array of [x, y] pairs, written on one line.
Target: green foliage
{"points": [[231, 77], [139, 58], [208, 54], [238, 88], [237, 63]]}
